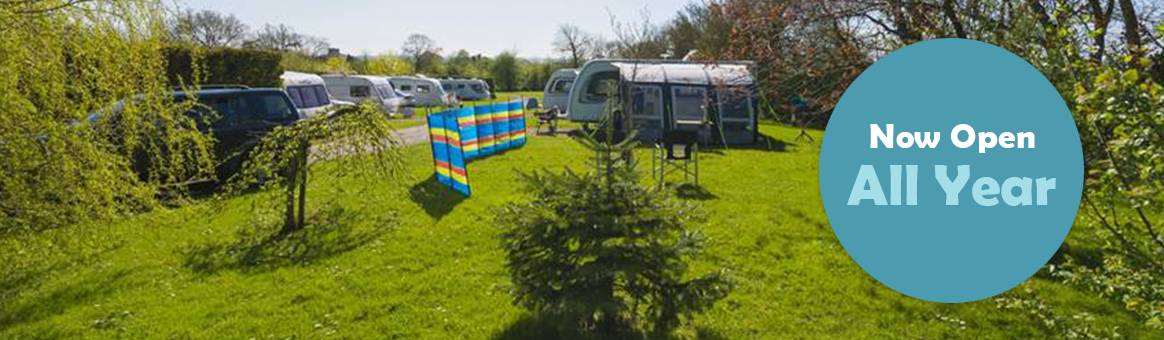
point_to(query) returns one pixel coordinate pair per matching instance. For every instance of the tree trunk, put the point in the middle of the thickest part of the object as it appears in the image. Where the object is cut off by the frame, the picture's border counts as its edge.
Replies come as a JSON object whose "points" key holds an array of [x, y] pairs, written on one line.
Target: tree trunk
{"points": [[1100, 19], [1131, 29], [952, 15], [304, 149], [290, 224]]}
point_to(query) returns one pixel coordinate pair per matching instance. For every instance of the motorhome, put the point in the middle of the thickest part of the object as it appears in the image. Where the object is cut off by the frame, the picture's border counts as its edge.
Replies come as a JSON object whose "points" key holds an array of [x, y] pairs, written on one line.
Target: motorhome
{"points": [[309, 93], [467, 89], [425, 91], [556, 95], [716, 99], [360, 89]]}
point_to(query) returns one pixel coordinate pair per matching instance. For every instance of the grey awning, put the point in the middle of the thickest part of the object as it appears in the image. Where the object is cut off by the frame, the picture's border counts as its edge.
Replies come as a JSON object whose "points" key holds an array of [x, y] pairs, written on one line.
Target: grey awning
{"points": [[686, 73]]}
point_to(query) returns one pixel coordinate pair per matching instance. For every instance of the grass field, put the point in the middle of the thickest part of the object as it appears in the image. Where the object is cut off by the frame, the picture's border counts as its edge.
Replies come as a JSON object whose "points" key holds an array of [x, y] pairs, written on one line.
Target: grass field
{"points": [[420, 262]]}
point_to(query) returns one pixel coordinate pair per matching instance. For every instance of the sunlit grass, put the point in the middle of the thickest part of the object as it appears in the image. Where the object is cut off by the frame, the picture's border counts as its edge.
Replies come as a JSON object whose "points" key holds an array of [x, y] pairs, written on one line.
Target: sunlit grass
{"points": [[418, 261]]}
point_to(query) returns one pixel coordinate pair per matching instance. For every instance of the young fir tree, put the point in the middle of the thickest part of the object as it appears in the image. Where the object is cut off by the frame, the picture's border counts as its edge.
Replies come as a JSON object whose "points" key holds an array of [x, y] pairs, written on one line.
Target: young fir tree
{"points": [[602, 253]]}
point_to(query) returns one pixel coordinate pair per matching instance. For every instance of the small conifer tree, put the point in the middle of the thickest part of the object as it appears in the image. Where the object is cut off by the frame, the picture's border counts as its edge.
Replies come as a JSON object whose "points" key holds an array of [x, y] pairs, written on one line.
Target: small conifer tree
{"points": [[603, 253]]}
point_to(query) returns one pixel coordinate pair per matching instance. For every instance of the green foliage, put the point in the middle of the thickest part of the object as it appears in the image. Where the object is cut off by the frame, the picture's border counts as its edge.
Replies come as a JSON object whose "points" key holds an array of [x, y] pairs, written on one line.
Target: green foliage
{"points": [[506, 70], [358, 139], [1078, 326], [389, 65], [604, 253], [189, 65], [59, 65], [1121, 119]]}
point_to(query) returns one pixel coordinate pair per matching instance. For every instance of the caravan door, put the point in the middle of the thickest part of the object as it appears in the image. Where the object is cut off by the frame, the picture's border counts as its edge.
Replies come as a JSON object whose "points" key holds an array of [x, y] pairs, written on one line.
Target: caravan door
{"points": [[647, 111]]}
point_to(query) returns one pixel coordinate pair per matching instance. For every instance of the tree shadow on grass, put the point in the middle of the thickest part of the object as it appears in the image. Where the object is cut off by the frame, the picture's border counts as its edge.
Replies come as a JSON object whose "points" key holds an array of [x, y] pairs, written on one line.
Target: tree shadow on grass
{"points": [[331, 232], [689, 191], [60, 300], [538, 327], [763, 143], [435, 198]]}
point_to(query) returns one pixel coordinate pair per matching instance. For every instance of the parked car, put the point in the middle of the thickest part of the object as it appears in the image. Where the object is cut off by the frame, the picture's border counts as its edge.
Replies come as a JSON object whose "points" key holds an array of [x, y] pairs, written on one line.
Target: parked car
{"points": [[556, 95], [309, 94], [236, 118], [467, 89], [361, 88], [425, 91]]}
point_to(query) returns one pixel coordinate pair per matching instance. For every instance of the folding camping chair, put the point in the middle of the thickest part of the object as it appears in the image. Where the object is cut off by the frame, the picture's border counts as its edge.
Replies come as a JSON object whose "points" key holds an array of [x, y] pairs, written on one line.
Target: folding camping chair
{"points": [[678, 150], [550, 118]]}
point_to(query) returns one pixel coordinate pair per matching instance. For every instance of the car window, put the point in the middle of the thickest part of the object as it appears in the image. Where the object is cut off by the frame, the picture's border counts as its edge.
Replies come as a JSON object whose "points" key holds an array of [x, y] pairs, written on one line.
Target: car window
{"points": [[601, 86], [293, 92], [423, 88], [406, 87], [447, 87], [478, 88], [321, 93], [360, 91], [310, 99], [230, 110], [271, 106], [460, 86]]}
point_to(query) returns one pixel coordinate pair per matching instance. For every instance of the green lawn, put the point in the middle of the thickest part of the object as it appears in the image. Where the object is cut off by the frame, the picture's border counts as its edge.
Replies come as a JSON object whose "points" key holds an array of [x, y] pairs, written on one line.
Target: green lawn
{"points": [[420, 262]]}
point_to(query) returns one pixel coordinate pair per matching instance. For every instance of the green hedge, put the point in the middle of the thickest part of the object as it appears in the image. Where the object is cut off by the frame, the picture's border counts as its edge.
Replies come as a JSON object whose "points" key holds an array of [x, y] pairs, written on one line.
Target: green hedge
{"points": [[255, 68]]}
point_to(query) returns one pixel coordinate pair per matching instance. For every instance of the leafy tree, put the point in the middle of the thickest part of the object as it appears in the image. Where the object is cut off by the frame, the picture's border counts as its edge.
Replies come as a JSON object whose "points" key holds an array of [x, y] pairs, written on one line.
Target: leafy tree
{"points": [[63, 61], [603, 253], [419, 49], [389, 65], [351, 143], [506, 70]]}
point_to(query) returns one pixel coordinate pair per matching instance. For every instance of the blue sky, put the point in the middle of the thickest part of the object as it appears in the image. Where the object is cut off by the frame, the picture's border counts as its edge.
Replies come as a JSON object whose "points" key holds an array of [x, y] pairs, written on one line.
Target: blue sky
{"points": [[479, 26]]}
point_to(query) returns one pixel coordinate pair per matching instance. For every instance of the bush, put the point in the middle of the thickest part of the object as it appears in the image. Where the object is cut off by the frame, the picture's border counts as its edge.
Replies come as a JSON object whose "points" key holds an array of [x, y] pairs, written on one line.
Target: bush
{"points": [[255, 68], [602, 253]]}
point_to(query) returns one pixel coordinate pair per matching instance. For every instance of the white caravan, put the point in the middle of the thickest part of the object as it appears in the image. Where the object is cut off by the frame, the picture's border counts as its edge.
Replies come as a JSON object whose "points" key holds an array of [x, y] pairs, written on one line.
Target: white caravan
{"points": [[359, 89], [716, 99], [425, 91], [467, 89], [556, 95], [309, 94]]}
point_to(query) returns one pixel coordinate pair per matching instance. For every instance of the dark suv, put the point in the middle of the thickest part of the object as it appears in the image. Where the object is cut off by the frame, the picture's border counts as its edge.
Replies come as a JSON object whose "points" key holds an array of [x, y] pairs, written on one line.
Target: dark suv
{"points": [[244, 115]]}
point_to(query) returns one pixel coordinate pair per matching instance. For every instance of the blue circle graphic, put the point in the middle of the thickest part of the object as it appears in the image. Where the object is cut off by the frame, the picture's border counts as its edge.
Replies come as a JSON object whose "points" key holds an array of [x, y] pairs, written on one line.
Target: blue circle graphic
{"points": [[972, 215]]}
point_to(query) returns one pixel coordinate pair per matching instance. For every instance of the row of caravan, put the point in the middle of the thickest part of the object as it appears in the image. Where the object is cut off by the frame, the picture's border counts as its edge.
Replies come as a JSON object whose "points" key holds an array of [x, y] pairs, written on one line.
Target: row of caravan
{"points": [[395, 95], [717, 99]]}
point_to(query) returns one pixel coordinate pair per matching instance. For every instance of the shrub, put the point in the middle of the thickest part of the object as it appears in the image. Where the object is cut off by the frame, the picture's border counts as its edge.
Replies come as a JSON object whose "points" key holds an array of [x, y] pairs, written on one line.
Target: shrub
{"points": [[191, 65], [603, 253]]}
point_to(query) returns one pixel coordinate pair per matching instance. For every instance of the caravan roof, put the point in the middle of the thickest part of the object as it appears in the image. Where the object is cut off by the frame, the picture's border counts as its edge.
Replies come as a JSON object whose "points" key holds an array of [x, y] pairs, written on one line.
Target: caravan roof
{"points": [[291, 78], [684, 72]]}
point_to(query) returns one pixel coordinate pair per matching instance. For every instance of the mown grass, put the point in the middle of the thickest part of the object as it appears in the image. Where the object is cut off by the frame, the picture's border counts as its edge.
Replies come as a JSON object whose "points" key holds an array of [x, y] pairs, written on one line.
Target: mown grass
{"points": [[417, 261]]}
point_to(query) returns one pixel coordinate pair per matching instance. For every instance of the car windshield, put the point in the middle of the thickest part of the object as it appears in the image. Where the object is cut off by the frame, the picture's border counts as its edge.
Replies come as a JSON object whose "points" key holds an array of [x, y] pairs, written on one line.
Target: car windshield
{"points": [[311, 96], [386, 91]]}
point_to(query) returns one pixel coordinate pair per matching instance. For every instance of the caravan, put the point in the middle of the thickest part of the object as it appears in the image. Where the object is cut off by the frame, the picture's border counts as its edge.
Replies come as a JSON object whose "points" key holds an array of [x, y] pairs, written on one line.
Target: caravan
{"points": [[715, 99], [425, 91], [556, 96], [467, 89], [359, 89], [309, 93]]}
